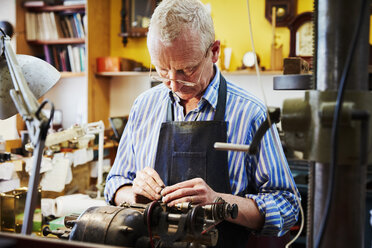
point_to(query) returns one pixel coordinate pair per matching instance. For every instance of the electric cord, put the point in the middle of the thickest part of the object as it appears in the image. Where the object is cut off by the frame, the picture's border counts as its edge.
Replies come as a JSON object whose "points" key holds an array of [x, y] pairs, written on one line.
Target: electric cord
{"points": [[51, 115], [295, 192], [149, 215], [256, 64], [278, 144], [335, 126]]}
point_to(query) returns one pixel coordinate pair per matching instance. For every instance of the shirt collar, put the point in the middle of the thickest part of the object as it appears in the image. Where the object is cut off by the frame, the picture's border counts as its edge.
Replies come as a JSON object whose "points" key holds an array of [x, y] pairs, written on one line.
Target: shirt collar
{"points": [[210, 94]]}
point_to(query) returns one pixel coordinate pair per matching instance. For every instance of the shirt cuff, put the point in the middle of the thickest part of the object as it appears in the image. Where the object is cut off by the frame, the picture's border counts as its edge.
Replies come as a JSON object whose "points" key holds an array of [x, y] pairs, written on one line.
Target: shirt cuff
{"points": [[112, 185], [268, 208]]}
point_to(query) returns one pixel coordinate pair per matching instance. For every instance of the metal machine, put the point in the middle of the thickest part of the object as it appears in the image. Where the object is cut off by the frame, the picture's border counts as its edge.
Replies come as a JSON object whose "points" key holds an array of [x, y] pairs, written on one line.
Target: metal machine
{"points": [[330, 125], [149, 225]]}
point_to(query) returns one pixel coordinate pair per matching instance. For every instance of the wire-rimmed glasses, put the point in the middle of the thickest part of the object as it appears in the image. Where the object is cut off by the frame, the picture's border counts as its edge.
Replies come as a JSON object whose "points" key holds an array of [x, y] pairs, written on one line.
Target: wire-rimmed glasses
{"points": [[186, 83]]}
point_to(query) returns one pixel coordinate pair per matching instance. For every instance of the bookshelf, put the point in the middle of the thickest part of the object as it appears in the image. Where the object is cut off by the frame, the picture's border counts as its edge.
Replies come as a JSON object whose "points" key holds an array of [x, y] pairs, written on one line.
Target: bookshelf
{"points": [[59, 41], [232, 73], [57, 8], [55, 34], [97, 42]]}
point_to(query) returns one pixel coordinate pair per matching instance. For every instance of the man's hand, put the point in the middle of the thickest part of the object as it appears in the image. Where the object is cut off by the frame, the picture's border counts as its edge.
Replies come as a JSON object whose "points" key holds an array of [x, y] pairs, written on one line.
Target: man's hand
{"points": [[147, 184], [195, 191]]}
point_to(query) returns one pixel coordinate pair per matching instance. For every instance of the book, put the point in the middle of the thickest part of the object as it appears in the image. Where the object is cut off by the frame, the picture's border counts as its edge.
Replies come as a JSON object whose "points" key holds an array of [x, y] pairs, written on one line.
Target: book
{"points": [[79, 23], [67, 59], [30, 26], [77, 26], [39, 27], [53, 25], [48, 57], [62, 55], [85, 24], [73, 26], [56, 58], [71, 58], [69, 26], [30, 4], [76, 57], [82, 58], [64, 28], [58, 23], [47, 29]]}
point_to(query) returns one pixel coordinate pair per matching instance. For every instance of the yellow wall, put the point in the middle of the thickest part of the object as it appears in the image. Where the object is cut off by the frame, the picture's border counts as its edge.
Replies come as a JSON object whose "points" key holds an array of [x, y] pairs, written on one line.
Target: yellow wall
{"points": [[231, 25], [136, 48]]}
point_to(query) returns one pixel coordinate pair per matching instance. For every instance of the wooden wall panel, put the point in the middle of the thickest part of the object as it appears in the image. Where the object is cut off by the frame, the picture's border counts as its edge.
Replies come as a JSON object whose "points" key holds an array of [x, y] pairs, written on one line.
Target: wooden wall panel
{"points": [[98, 45]]}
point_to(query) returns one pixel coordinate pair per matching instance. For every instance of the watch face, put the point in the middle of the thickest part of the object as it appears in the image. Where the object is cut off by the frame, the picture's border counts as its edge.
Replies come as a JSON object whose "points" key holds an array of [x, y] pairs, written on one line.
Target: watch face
{"points": [[304, 40], [248, 59]]}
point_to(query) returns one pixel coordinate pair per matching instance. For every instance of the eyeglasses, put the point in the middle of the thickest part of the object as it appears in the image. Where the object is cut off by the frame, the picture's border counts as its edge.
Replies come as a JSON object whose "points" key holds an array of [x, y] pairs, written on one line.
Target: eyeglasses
{"points": [[186, 83], [163, 79]]}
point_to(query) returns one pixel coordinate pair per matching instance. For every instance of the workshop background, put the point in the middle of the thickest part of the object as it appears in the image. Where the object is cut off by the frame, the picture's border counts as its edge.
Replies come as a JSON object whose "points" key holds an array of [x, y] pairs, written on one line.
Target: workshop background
{"points": [[92, 96]]}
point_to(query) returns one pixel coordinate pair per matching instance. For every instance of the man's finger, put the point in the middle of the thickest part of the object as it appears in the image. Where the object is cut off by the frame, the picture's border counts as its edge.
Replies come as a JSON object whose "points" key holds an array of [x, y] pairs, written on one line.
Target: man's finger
{"points": [[179, 194], [185, 184], [142, 192], [151, 172], [143, 182], [150, 181]]}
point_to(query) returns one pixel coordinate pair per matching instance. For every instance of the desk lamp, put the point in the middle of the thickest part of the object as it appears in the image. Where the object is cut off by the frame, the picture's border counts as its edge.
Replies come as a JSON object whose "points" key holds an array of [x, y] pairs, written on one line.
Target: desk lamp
{"points": [[24, 79]]}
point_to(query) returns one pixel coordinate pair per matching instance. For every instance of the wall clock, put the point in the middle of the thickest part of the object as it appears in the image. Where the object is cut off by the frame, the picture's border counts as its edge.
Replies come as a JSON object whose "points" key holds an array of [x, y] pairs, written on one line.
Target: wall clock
{"points": [[285, 11], [301, 37]]}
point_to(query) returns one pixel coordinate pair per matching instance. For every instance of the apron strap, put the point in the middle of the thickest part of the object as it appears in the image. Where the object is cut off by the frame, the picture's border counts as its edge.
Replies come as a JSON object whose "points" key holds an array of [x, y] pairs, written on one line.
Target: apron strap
{"points": [[170, 112], [221, 104], [220, 108]]}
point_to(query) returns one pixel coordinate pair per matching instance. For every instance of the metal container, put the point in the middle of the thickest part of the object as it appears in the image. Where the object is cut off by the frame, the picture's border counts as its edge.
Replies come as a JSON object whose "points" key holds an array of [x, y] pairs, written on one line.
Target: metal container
{"points": [[12, 205]]}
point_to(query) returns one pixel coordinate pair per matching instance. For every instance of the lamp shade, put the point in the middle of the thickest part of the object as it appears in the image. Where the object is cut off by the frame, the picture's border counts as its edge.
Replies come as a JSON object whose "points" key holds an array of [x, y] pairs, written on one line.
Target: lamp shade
{"points": [[40, 77]]}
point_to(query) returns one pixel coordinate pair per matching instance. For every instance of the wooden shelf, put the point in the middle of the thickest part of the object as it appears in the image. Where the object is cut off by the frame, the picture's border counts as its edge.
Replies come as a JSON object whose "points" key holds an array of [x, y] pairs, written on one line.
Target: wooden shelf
{"points": [[67, 74], [251, 72], [123, 73], [58, 42], [107, 145], [56, 8], [135, 73]]}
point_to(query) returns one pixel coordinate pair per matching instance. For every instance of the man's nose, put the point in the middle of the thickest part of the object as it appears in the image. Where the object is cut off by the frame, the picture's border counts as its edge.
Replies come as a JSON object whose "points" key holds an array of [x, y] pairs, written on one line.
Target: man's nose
{"points": [[174, 85]]}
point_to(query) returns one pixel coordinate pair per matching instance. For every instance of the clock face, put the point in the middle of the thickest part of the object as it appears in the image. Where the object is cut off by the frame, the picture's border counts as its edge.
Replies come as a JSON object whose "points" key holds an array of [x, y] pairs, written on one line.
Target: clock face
{"points": [[304, 40], [249, 59]]}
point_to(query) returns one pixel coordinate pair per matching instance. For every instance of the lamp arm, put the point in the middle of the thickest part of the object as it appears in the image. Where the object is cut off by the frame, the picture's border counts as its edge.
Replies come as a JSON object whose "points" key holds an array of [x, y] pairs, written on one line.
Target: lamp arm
{"points": [[29, 102], [37, 126]]}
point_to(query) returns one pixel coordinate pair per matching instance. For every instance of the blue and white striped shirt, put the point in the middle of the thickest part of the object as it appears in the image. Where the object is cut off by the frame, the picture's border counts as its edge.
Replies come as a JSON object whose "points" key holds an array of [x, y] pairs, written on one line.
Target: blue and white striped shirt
{"points": [[244, 114]]}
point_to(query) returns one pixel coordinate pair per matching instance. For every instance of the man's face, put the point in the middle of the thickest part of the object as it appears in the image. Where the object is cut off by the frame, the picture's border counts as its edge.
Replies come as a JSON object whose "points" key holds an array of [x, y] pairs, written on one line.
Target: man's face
{"points": [[183, 60]]}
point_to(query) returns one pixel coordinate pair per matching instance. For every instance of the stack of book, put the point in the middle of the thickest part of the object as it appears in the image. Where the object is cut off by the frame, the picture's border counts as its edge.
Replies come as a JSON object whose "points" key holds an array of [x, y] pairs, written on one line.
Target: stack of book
{"points": [[53, 25], [69, 58]]}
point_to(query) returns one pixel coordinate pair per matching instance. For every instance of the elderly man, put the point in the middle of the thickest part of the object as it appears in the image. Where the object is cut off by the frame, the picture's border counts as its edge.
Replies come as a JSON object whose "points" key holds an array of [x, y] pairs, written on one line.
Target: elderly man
{"points": [[166, 151]]}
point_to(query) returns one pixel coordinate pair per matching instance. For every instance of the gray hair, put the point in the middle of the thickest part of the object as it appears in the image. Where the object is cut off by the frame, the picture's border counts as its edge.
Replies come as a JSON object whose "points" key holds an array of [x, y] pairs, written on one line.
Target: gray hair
{"points": [[172, 15]]}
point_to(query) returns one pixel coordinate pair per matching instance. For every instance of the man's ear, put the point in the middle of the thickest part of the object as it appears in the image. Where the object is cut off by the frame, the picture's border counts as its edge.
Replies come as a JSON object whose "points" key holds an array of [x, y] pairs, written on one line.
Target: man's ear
{"points": [[215, 51]]}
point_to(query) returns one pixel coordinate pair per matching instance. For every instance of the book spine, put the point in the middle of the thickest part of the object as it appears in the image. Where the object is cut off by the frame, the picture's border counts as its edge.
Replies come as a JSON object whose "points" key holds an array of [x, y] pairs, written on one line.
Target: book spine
{"points": [[71, 58], [76, 56], [47, 54], [80, 25], [77, 26], [82, 58]]}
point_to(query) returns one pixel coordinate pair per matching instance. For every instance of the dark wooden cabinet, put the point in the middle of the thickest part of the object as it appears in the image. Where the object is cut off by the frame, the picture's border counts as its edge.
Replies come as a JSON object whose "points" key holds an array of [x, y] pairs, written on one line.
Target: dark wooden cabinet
{"points": [[135, 17]]}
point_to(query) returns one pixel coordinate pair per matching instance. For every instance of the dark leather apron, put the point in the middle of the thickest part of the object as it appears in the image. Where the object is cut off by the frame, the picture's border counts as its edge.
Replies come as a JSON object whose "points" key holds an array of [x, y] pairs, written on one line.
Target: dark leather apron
{"points": [[185, 151]]}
